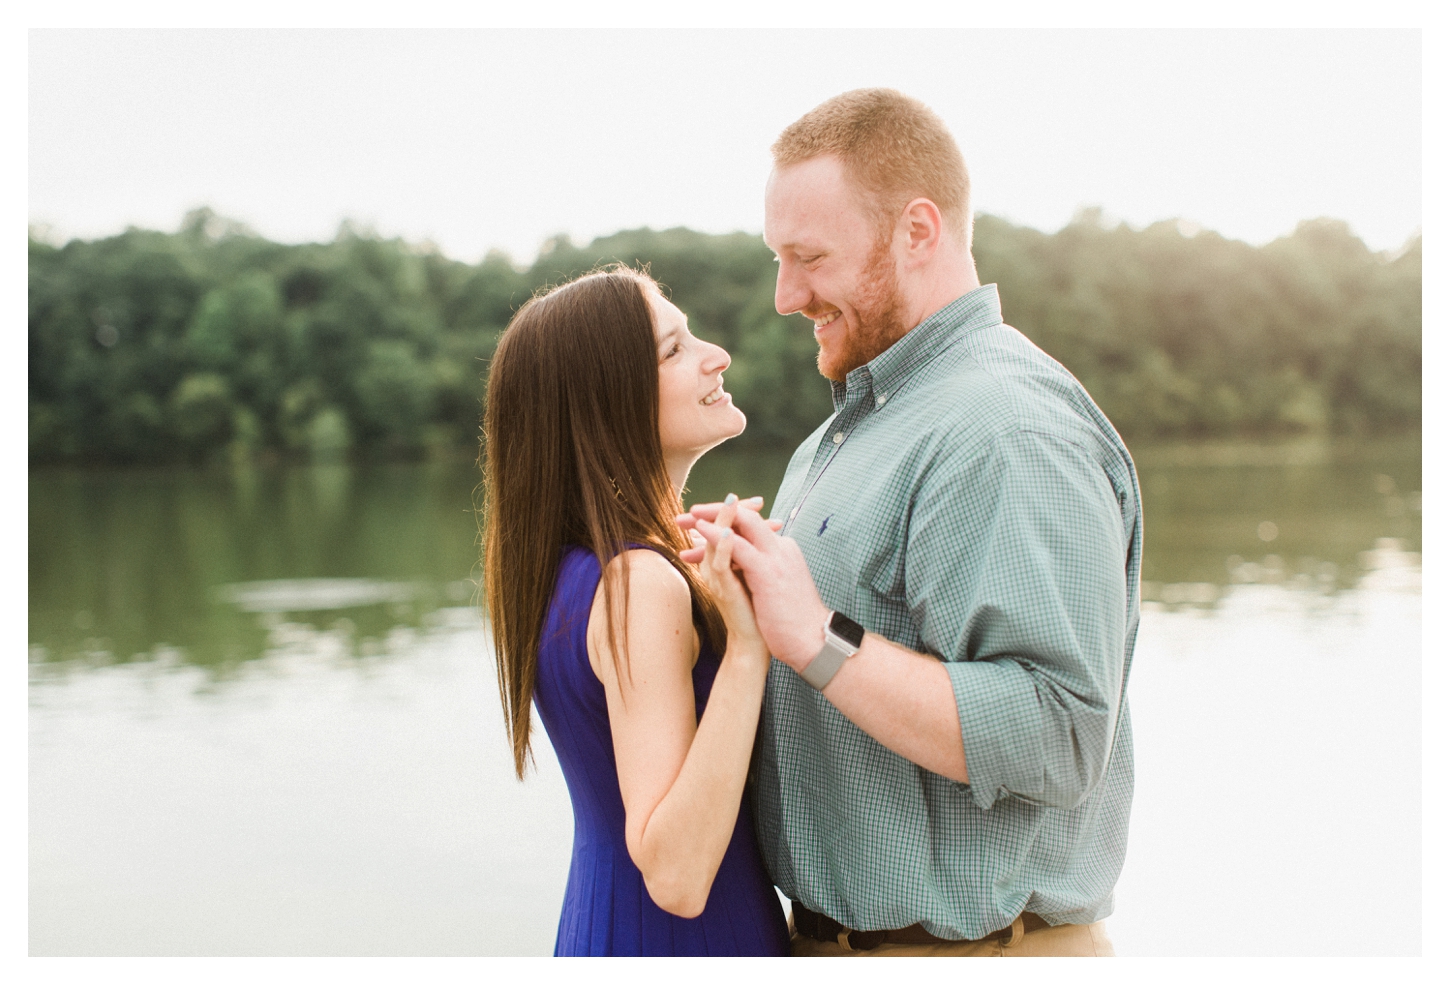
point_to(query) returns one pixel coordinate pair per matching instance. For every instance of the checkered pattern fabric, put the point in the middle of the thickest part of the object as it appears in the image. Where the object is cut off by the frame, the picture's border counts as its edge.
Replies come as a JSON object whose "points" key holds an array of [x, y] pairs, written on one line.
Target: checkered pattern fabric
{"points": [[967, 500]]}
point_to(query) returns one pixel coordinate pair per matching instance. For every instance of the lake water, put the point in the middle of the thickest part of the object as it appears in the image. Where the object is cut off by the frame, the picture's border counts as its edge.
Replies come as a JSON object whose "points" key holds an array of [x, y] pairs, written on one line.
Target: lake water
{"points": [[263, 716]]}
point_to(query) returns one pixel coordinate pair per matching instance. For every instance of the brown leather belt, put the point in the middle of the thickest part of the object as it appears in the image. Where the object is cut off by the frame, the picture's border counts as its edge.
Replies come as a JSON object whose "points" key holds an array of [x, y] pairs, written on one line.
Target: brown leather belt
{"points": [[822, 928]]}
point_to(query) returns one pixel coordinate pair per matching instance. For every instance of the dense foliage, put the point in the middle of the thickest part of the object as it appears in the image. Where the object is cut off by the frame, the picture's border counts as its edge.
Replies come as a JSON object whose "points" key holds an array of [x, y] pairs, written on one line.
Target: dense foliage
{"points": [[152, 347]]}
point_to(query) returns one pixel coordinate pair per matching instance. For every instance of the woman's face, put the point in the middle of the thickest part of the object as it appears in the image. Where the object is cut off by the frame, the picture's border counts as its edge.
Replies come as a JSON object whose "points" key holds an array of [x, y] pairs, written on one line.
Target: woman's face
{"points": [[696, 413]]}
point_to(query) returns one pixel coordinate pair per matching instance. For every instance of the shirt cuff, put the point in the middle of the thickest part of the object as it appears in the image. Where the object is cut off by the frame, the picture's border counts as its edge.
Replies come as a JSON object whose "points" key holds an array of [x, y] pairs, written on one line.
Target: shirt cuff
{"points": [[998, 709]]}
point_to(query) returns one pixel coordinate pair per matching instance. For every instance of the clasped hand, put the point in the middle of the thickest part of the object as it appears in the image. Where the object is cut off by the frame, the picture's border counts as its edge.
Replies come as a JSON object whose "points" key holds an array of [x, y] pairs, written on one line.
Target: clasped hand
{"points": [[787, 608]]}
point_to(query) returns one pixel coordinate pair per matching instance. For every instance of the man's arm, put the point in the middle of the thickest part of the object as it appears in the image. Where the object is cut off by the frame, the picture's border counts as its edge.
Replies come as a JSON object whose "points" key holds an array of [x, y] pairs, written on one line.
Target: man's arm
{"points": [[1015, 574], [900, 698]]}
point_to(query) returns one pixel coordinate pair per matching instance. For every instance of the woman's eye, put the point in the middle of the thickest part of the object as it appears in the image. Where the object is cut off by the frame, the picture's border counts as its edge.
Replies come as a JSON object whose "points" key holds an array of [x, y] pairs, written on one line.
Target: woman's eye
{"points": [[673, 350]]}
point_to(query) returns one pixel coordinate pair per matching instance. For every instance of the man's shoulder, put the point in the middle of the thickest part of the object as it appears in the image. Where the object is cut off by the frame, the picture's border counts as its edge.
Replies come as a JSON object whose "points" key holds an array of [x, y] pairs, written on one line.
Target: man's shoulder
{"points": [[997, 380], [995, 385]]}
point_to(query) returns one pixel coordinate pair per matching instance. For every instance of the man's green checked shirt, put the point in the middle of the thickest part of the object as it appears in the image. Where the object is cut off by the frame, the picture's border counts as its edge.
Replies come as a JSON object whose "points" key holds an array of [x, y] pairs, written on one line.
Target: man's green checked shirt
{"points": [[968, 500]]}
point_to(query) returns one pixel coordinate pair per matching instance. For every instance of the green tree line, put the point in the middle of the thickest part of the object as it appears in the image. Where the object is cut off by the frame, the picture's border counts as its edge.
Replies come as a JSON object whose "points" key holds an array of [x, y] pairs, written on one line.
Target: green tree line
{"points": [[152, 347]]}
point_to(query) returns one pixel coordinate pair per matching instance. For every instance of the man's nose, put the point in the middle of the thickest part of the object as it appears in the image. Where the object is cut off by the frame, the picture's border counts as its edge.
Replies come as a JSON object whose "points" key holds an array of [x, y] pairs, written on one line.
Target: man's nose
{"points": [[791, 293]]}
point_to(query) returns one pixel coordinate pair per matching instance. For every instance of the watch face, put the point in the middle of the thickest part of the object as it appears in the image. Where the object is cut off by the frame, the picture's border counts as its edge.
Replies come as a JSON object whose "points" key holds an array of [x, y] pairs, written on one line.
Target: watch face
{"points": [[848, 629]]}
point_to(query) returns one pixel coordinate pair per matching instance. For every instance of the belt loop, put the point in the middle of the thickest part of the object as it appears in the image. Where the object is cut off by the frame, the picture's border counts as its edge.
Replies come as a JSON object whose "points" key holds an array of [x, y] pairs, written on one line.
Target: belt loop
{"points": [[843, 938], [1018, 931]]}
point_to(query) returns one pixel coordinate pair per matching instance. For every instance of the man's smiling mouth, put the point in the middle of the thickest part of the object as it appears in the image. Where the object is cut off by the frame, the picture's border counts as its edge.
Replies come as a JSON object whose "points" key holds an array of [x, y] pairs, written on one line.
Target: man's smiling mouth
{"points": [[822, 321]]}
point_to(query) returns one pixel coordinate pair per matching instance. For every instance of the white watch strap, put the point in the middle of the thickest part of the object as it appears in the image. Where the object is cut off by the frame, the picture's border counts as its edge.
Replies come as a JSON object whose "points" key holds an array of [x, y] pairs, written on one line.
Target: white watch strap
{"points": [[831, 658]]}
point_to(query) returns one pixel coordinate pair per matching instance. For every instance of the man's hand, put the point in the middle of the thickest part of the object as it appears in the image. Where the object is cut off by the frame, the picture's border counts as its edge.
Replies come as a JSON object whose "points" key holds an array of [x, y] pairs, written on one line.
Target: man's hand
{"points": [[788, 608]]}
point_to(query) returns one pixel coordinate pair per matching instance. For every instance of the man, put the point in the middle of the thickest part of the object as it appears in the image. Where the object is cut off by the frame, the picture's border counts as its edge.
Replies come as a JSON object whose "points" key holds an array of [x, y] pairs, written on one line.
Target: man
{"points": [[958, 779]]}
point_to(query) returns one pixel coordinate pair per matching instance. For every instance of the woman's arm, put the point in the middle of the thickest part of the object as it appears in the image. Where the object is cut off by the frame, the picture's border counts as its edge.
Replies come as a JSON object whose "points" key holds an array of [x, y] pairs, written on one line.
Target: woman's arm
{"points": [[681, 785]]}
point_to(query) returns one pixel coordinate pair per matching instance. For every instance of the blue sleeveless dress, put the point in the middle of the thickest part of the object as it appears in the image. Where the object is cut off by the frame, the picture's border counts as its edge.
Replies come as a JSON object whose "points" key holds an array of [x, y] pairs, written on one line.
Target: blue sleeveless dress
{"points": [[607, 910]]}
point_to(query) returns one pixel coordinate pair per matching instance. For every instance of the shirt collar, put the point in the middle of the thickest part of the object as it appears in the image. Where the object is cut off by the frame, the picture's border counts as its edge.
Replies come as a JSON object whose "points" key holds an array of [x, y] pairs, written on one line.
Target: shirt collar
{"points": [[978, 308]]}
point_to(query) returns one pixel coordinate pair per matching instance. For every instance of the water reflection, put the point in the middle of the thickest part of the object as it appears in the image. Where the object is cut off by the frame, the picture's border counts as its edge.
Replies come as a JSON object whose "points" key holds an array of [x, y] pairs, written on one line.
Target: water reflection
{"points": [[314, 594], [136, 566], [1298, 512], [127, 566], [1387, 567]]}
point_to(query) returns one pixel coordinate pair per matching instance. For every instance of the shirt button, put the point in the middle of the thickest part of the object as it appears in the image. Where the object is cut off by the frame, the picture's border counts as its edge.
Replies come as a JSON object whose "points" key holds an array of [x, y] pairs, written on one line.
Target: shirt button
{"points": [[794, 512], [840, 437], [881, 400]]}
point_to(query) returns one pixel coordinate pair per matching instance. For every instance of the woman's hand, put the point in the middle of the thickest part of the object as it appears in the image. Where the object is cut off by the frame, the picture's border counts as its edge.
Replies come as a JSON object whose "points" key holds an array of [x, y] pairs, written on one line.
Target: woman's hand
{"points": [[728, 587], [687, 521]]}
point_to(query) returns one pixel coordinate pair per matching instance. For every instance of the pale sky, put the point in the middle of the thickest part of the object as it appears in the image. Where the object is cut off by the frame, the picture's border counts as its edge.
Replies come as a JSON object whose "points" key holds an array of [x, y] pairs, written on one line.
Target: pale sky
{"points": [[481, 139]]}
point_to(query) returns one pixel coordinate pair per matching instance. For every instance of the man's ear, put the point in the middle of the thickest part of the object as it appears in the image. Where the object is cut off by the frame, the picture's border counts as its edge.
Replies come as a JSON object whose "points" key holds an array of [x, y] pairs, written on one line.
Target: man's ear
{"points": [[924, 229]]}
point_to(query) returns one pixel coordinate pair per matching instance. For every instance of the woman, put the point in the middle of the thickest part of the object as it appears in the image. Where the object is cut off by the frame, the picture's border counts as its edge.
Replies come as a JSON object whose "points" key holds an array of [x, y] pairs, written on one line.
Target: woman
{"points": [[648, 674]]}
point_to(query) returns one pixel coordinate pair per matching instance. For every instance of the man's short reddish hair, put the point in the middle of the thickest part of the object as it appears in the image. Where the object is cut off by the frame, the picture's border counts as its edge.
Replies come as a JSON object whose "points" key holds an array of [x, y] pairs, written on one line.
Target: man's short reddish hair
{"points": [[892, 146]]}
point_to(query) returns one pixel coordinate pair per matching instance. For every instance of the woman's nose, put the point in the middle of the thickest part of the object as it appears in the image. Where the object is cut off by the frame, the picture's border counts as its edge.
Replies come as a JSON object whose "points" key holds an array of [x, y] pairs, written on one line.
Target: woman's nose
{"points": [[717, 360]]}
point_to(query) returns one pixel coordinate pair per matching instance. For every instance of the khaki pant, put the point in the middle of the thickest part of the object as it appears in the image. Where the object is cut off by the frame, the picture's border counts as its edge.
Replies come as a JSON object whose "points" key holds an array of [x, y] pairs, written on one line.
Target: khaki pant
{"points": [[1084, 940]]}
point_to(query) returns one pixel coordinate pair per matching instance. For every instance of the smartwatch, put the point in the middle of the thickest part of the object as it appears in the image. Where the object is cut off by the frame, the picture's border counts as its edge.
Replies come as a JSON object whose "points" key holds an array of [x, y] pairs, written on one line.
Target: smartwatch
{"points": [[843, 638]]}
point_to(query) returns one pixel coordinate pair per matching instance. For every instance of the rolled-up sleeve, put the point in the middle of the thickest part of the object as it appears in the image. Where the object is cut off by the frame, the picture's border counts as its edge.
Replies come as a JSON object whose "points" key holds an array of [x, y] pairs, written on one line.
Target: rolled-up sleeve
{"points": [[1015, 576]]}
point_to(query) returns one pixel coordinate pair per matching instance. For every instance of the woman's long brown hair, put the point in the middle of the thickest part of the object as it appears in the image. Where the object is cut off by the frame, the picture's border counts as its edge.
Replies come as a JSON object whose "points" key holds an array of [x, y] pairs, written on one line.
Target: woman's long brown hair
{"points": [[572, 456]]}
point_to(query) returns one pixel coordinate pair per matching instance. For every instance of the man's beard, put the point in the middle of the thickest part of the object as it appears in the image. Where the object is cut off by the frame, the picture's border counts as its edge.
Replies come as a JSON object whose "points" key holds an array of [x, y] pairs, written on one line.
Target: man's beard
{"points": [[878, 307]]}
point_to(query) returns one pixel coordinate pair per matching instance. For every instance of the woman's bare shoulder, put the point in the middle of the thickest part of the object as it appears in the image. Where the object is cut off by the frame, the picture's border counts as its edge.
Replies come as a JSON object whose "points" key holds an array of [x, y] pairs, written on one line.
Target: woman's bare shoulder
{"points": [[655, 578], [659, 619]]}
